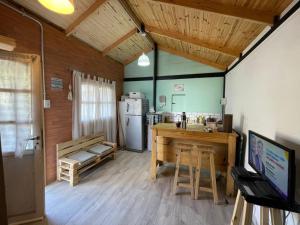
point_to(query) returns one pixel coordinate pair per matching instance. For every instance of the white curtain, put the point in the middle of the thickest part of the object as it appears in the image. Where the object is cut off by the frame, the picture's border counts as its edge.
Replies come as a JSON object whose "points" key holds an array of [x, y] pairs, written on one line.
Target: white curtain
{"points": [[15, 105], [94, 106]]}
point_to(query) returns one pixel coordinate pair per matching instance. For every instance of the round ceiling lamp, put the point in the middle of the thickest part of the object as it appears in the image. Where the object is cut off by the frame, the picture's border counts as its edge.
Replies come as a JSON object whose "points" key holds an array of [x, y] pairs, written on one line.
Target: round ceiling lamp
{"points": [[59, 6], [144, 60]]}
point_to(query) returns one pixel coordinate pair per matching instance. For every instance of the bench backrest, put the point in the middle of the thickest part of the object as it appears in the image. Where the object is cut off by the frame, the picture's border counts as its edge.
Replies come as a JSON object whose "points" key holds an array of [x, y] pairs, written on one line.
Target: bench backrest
{"points": [[75, 145]]}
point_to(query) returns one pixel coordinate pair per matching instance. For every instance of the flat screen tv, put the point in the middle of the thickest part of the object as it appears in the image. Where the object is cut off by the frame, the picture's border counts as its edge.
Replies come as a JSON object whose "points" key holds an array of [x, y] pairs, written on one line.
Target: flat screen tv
{"points": [[274, 162]]}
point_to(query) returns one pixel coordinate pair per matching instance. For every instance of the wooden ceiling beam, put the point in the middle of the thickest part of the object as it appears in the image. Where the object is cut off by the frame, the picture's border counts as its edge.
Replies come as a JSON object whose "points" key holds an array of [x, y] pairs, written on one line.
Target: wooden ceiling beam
{"points": [[195, 41], [135, 19], [193, 57], [265, 17], [119, 41], [136, 55], [83, 16]]}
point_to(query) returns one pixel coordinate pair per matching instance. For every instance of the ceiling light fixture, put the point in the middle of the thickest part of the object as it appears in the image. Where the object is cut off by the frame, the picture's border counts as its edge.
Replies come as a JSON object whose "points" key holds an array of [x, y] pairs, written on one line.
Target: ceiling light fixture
{"points": [[144, 60], [59, 6]]}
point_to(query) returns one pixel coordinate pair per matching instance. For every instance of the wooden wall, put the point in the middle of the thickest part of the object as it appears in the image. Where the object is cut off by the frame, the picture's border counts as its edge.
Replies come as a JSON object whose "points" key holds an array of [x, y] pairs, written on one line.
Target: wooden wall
{"points": [[61, 54]]}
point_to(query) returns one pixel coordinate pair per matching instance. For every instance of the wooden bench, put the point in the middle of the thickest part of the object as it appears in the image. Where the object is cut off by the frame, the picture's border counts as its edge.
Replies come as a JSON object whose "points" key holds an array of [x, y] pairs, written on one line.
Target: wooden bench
{"points": [[77, 156]]}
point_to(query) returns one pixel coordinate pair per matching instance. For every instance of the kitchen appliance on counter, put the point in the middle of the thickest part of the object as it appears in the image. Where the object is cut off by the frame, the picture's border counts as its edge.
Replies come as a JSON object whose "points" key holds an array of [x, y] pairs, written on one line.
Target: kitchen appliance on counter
{"points": [[136, 95], [135, 123]]}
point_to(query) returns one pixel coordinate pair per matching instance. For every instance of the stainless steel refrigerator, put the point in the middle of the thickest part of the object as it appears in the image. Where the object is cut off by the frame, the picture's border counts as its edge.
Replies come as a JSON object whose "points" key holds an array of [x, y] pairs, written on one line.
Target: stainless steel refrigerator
{"points": [[135, 123]]}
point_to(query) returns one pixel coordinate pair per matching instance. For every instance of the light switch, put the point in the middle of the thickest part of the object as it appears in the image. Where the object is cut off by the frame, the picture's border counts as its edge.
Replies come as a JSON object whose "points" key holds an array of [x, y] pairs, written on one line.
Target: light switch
{"points": [[47, 104]]}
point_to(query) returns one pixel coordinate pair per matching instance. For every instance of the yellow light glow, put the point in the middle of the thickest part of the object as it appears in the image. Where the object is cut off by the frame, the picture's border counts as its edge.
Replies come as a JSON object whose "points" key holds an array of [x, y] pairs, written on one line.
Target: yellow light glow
{"points": [[59, 6]]}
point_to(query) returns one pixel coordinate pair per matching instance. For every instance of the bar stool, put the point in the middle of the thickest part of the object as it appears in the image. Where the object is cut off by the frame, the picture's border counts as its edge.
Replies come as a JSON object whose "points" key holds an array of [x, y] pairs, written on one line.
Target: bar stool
{"points": [[203, 150], [180, 148]]}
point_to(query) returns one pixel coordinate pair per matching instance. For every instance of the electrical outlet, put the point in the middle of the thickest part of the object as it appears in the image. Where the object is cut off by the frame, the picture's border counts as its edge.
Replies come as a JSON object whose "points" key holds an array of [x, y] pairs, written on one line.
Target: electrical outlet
{"points": [[47, 104], [223, 101]]}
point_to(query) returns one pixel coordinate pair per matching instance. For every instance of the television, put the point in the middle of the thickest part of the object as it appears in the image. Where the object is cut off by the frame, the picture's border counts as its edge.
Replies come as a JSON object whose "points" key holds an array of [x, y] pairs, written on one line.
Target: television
{"points": [[274, 162]]}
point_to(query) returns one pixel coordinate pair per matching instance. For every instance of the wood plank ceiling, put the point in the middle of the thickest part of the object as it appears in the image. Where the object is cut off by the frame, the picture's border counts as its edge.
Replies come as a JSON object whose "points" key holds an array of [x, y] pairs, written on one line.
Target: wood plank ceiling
{"points": [[210, 32]]}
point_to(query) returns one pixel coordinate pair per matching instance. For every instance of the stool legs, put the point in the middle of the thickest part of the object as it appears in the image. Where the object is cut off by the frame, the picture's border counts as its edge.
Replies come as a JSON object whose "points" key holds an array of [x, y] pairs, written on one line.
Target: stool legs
{"points": [[276, 217], [213, 188], [191, 175], [247, 213], [238, 207], [178, 156], [264, 216], [198, 171], [213, 178]]}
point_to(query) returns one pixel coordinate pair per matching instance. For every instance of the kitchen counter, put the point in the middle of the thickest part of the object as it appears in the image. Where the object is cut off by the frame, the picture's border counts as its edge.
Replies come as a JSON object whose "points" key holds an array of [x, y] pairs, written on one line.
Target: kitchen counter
{"points": [[166, 135]]}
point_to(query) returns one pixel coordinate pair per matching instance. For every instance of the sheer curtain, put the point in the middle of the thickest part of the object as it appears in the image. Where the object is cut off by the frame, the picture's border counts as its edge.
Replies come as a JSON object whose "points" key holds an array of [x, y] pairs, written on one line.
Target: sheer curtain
{"points": [[94, 106], [15, 104]]}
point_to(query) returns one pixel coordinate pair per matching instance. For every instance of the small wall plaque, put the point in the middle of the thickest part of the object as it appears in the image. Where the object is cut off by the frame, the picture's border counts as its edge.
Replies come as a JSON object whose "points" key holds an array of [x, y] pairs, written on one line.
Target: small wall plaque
{"points": [[57, 83], [179, 87]]}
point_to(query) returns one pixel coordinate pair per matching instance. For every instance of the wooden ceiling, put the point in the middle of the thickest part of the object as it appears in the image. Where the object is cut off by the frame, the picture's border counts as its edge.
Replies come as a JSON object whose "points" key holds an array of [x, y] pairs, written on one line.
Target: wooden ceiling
{"points": [[209, 32]]}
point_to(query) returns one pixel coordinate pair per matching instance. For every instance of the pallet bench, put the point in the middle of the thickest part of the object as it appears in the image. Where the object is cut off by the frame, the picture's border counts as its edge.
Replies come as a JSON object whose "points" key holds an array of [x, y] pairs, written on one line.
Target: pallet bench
{"points": [[77, 156]]}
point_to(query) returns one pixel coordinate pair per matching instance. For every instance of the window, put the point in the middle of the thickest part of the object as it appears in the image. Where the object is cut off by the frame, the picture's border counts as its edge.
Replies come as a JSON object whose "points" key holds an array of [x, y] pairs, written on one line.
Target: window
{"points": [[97, 102], [15, 104], [94, 106]]}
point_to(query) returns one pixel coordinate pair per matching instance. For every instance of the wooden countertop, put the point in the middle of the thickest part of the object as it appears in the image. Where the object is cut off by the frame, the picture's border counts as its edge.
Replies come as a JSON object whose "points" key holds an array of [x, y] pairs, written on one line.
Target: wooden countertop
{"points": [[191, 128]]}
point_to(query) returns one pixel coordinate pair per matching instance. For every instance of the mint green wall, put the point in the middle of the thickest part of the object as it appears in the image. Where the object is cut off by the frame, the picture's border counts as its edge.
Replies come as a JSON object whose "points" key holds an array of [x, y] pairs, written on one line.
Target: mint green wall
{"points": [[143, 86], [174, 65], [168, 65], [201, 94]]}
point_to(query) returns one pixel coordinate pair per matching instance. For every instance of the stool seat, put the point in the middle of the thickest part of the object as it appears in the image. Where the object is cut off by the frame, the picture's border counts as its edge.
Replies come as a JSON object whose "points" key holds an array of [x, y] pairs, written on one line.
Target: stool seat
{"points": [[187, 148], [204, 150]]}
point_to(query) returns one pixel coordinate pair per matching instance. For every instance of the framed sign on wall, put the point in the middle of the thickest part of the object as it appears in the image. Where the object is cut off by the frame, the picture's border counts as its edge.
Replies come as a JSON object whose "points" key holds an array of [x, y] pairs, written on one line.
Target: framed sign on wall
{"points": [[178, 87]]}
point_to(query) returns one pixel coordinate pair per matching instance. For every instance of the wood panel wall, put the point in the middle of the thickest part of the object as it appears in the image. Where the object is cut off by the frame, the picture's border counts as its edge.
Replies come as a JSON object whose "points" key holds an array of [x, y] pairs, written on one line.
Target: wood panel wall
{"points": [[61, 54]]}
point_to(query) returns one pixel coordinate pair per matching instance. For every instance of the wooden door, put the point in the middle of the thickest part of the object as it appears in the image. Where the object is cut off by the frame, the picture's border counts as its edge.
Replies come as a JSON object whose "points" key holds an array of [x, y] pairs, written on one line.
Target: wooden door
{"points": [[24, 174], [3, 212]]}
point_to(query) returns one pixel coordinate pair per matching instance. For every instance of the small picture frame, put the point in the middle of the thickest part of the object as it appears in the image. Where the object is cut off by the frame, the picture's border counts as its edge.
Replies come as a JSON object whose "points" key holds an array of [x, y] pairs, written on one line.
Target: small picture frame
{"points": [[178, 87], [57, 83]]}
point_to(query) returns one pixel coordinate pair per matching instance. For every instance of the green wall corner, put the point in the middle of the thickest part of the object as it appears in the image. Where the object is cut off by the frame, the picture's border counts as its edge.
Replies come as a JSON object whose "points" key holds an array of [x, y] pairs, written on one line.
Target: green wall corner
{"points": [[199, 95]]}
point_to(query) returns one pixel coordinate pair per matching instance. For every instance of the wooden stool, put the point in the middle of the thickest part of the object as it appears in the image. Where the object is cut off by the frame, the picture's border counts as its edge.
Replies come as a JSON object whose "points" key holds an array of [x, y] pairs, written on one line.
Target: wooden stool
{"points": [[188, 148], [206, 150], [243, 211]]}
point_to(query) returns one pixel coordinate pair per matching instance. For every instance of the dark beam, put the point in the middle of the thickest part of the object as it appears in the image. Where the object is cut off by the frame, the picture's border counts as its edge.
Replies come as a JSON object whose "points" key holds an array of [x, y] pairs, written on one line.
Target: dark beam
{"points": [[155, 74]]}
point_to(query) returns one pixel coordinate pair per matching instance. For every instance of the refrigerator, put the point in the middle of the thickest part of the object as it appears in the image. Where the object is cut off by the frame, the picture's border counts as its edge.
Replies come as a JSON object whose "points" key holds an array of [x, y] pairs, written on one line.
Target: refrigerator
{"points": [[135, 123]]}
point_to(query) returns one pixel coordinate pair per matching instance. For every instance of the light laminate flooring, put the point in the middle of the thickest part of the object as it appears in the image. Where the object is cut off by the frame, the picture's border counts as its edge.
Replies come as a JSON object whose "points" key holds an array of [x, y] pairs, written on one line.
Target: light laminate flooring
{"points": [[120, 192]]}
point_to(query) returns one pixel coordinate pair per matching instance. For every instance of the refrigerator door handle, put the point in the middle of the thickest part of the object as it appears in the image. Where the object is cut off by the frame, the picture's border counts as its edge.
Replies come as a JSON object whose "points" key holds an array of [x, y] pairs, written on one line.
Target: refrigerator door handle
{"points": [[127, 108], [127, 123]]}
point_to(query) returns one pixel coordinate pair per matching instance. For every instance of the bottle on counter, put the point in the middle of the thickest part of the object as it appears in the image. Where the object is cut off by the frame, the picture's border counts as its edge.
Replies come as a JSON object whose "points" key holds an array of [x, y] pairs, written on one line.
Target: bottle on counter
{"points": [[183, 120]]}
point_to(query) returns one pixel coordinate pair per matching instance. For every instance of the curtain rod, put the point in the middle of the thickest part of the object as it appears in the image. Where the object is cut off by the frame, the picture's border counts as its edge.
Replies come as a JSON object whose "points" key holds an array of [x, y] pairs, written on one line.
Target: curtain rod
{"points": [[99, 76]]}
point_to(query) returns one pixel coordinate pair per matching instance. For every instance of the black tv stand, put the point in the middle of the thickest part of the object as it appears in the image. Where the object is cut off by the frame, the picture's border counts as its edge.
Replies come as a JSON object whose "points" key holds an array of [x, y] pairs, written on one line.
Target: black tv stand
{"points": [[244, 202], [242, 173]]}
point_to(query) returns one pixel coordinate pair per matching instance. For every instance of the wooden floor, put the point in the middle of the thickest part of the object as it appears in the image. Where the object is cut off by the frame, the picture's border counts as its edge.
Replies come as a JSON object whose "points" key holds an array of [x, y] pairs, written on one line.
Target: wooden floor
{"points": [[120, 192]]}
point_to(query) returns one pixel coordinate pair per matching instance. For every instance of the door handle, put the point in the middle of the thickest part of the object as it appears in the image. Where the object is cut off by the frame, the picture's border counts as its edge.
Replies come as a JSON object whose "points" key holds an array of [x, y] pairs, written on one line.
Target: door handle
{"points": [[127, 123], [34, 138], [127, 109]]}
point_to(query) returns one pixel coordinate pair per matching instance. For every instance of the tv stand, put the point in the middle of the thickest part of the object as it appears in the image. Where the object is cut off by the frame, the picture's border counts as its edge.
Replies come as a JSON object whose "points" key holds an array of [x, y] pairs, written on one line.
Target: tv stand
{"points": [[243, 211]]}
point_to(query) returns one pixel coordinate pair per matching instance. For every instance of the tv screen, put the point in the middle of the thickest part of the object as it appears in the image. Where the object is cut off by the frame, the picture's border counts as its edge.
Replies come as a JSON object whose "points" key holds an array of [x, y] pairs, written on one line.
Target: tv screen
{"points": [[274, 162]]}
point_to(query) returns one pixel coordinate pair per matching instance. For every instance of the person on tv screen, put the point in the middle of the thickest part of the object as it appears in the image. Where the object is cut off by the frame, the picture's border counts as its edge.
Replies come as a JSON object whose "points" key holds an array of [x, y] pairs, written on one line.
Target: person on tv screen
{"points": [[258, 157], [252, 150]]}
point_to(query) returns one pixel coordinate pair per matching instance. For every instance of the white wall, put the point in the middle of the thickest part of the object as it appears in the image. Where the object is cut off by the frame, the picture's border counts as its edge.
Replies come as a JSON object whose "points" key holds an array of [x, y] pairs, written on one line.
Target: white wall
{"points": [[263, 91]]}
